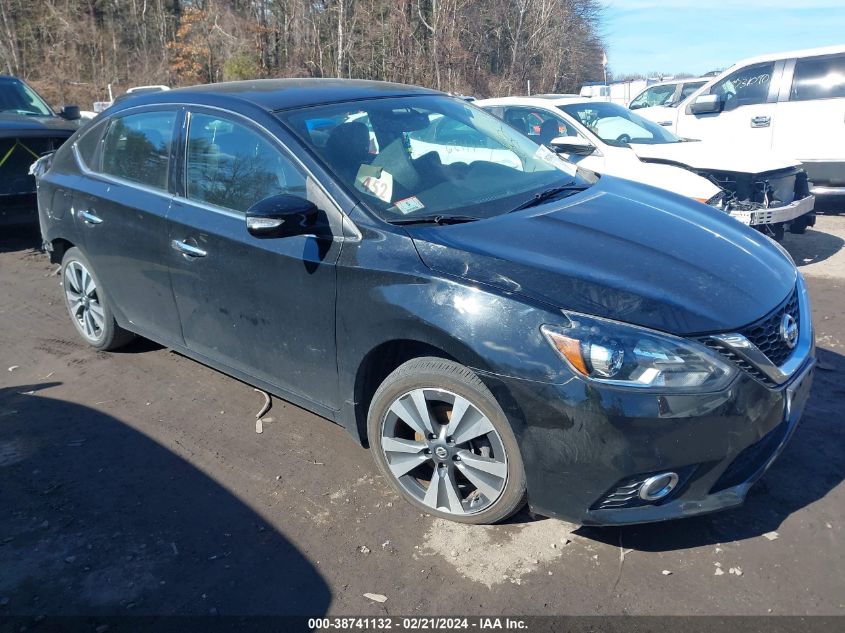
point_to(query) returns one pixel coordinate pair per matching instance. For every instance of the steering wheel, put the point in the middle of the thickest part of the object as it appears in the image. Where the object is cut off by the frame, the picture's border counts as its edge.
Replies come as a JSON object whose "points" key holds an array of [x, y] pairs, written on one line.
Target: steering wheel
{"points": [[624, 138]]}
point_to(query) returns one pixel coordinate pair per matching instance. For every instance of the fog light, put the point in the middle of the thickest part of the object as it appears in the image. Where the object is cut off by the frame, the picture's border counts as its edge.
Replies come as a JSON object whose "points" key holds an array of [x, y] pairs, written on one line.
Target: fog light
{"points": [[656, 487]]}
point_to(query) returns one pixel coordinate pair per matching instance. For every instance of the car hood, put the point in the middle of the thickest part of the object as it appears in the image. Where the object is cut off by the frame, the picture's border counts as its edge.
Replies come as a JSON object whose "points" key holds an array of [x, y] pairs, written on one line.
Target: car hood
{"points": [[17, 124], [624, 251], [624, 163], [706, 155]]}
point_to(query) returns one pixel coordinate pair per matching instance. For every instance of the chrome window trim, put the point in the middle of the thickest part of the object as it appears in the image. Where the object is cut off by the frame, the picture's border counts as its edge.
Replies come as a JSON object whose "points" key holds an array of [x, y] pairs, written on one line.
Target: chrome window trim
{"points": [[115, 180], [356, 237], [747, 351]]}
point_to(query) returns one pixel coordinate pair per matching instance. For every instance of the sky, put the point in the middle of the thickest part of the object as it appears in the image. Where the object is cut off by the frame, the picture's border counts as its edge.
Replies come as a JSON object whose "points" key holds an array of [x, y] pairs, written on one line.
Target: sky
{"points": [[696, 36]]}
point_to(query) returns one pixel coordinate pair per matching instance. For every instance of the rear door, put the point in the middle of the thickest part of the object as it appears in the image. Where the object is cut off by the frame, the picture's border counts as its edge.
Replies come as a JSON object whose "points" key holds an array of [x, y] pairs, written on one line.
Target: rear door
{"points": [[749, 100], [263, 307], [121, 207], [811, 117]]}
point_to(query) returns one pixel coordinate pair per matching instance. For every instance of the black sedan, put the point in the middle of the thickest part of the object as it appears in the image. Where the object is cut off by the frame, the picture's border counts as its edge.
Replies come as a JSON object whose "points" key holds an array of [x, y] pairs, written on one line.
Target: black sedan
{"points": [[28, 129], [493, 322]]}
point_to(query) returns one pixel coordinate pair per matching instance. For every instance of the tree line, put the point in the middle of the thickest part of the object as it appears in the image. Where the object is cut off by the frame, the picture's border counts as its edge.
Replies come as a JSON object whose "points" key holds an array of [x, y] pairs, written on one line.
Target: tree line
{"points": [[71, 50]]}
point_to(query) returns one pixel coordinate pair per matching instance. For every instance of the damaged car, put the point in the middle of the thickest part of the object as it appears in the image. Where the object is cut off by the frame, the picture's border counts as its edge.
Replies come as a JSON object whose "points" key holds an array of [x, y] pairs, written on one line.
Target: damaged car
{"points": [[28, 129], [494, 333], [769, 193]]}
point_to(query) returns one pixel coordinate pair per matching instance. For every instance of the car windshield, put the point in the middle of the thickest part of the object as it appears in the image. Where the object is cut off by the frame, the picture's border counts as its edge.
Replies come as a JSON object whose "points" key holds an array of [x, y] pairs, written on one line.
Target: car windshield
{"points": [[18, 98], [654, 96], [618, 126], [429, 156]]}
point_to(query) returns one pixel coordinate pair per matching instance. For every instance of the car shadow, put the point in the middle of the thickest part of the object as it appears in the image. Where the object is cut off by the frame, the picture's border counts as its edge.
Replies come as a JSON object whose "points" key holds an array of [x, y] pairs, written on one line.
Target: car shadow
{"points": [[101, 520], [811, 465], [812, 247]]}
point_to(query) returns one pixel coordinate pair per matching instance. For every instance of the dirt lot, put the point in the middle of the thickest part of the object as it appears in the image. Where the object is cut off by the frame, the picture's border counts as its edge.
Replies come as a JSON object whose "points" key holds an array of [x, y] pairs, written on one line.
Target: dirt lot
{"points": [[134, 483]]}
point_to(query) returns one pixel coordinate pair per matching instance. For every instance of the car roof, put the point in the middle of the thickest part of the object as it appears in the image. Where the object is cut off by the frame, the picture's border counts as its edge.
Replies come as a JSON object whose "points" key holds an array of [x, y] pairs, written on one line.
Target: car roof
{"points": [[684, 80], [540, 101], [806, 52], [283, 94]]}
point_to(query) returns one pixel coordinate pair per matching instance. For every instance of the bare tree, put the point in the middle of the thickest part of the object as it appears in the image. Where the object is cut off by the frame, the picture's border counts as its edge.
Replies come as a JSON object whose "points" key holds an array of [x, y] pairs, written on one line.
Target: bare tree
{"points": [[73, 49]]}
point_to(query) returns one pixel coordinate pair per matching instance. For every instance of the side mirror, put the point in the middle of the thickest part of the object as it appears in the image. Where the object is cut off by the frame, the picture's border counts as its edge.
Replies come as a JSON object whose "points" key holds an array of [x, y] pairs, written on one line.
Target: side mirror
{"points": [[706, 104], [71, 113], [572, 145], [637, 106], [282, 216]]}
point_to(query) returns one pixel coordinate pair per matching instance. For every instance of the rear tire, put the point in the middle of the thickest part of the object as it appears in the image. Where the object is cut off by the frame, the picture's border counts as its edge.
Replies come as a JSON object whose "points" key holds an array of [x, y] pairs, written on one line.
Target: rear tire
{"points": [[88, 305], [432, 422]]}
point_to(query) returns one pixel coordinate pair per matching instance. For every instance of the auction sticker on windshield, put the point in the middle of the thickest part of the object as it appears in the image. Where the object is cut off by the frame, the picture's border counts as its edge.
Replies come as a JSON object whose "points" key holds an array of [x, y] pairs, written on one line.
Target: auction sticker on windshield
{"points": [[375, 181], [409, 205]]}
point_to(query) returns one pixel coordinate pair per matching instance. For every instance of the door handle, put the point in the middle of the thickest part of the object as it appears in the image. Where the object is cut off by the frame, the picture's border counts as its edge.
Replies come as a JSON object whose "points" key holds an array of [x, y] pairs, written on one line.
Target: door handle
{"points": [[88, 217], [665, 123], [761, 121], [188, 249]]}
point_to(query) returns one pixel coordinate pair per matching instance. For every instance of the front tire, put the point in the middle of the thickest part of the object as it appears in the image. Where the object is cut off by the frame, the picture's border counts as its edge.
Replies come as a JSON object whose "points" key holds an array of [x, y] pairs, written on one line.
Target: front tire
{"points": [[87, 304], [444, 444]]}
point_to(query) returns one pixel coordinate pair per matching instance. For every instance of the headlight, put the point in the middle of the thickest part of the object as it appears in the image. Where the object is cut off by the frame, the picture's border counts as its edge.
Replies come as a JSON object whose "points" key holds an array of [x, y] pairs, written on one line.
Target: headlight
{"points": [[629, 356], [717, 201]]}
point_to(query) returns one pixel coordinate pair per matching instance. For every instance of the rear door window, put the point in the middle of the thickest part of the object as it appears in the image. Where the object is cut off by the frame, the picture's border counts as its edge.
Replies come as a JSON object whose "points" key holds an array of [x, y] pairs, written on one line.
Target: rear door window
{"points": [[818, 78], [137, 147], [540, 126], [232, 166], [88, 146]]}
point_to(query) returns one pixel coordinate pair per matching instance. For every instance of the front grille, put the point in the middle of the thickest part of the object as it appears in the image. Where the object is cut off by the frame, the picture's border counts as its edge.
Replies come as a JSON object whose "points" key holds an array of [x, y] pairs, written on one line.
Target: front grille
{"points": [[751, 459], [16, 155], [747, 367], [766, 334], [759, 191]]}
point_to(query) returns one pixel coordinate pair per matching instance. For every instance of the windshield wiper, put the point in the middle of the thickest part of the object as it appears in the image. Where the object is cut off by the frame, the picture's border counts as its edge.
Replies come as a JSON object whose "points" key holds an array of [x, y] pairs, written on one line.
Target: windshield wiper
{"points": [[548, 194], [436, 219]]}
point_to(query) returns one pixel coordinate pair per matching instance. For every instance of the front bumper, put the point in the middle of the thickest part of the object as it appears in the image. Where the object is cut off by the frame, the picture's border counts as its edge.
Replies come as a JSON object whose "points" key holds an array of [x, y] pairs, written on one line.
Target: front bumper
{"points": [[776, 215], [581, 443]]}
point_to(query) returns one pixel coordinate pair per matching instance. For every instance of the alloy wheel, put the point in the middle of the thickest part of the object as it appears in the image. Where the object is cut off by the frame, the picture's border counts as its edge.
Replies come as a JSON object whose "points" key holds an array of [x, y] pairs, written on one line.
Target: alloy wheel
{"points": [[444, 451], [83, 301]]}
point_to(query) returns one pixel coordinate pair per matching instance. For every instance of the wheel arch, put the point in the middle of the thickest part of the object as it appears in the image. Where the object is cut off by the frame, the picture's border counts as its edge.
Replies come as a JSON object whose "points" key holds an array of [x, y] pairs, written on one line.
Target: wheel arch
{"points": [[383, 358], [60, 246]]}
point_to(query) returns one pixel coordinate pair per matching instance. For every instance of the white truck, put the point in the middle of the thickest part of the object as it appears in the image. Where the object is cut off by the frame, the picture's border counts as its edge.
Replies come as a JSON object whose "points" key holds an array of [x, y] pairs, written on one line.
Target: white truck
{"points": [[792, 104]]}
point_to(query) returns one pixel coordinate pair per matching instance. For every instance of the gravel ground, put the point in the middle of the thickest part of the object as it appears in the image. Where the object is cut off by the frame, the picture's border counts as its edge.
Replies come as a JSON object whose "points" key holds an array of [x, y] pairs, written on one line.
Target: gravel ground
{"points": [[134, 483]]}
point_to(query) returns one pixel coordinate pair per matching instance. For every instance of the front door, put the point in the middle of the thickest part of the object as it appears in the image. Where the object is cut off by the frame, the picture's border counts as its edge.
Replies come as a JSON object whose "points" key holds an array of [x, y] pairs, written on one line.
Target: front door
{"points": [[749, 100], [263, 307]]}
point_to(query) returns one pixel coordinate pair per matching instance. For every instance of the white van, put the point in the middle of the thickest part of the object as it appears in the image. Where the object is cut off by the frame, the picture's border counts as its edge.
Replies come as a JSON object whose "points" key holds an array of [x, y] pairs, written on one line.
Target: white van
{"points": [[791, 103]]}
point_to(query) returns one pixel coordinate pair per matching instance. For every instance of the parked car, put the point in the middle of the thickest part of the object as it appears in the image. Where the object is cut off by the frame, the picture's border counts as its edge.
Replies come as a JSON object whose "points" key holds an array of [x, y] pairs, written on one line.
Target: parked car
{"points": [[140, 90], [789, 103], [620, 92], [665, 94], [28, 128], [761, 190], [615, 352]]}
